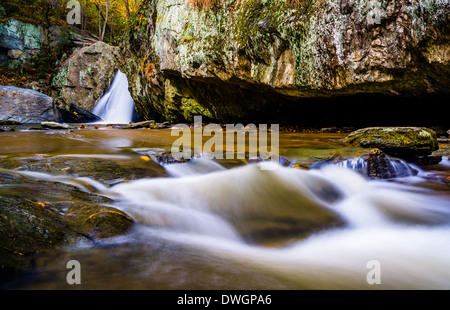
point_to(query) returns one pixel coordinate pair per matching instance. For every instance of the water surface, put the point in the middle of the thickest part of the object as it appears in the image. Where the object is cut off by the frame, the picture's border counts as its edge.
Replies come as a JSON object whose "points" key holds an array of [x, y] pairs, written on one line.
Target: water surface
{"points": [[231, 225]]}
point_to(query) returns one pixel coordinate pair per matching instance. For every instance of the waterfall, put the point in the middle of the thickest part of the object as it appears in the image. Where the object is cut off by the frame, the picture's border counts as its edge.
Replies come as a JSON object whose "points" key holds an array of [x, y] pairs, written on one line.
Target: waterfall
{"points": [[116, 106]]}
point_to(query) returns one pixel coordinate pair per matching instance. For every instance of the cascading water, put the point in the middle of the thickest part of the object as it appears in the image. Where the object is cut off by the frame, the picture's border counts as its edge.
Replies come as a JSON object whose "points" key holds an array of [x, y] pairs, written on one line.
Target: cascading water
{"points": [[202, 225], [394, 167], [117, 105], [222, 213]]}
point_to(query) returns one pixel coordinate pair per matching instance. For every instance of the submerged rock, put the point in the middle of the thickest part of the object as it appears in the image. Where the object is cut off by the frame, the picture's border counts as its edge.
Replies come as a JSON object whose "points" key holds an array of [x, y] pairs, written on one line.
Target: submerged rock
{"points": [[38, 215], [403, 142], [26, 106]]}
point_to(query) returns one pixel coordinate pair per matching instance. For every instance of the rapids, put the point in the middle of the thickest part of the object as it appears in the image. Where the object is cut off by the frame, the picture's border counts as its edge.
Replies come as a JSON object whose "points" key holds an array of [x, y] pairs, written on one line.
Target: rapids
{"points": [[212, 225], [405, 230]]}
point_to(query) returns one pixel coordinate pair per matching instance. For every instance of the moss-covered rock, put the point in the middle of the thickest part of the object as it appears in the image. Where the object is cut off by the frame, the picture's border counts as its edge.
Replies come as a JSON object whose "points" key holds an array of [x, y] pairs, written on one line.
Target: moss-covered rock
{"points": [[396, 141], [241, 58]]}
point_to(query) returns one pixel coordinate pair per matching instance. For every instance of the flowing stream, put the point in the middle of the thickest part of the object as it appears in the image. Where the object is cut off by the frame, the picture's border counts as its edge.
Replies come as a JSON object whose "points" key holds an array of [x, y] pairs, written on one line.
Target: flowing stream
{"points": [[209, 224]]}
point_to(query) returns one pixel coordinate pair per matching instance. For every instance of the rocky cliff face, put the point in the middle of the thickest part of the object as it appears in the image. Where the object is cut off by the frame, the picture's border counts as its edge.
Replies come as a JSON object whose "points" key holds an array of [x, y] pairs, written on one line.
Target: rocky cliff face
{"points": [[21, 42], [255, 58]]}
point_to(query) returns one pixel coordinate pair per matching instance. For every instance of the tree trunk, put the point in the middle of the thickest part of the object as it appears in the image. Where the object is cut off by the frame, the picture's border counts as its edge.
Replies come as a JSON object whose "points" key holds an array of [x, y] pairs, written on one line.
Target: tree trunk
{"points": [[106, 19], [127, 8], [99, 7]]}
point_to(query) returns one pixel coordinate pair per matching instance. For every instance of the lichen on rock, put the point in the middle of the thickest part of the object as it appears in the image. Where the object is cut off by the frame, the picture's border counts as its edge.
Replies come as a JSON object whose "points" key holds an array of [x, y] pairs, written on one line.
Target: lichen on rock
{"points": [[239, 58], [396, 141], [83, 78]]}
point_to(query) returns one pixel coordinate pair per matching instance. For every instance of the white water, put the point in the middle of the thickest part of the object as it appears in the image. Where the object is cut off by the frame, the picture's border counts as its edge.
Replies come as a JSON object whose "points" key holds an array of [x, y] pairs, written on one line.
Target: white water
{"points": [[117, 105], [399, 166], [407, 230]]}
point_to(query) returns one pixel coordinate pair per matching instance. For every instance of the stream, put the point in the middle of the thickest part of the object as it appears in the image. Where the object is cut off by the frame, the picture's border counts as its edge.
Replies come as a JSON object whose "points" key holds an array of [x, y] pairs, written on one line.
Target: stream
{"points": [[228, 224]]}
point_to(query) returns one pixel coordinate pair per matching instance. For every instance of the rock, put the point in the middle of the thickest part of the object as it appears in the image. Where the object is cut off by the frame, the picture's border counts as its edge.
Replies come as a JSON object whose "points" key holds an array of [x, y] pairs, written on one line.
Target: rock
{"points": [[144, 124], [329, 130], [83, 78], [429, 160], [26, 106], [21, 43], [380, 166], [403, 142], [8, 122], [163, 125], [100, 222], [38, 215], [167, 159], [283, 161], [15, 34], [76, 114], [54, 125], [259, 58], [14, 54], [27, 228]]}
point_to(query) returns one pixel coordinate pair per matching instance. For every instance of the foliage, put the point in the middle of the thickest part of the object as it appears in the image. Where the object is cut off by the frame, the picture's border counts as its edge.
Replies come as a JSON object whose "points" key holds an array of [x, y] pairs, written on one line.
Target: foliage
{"points": [[206, 4], [117, 13]]}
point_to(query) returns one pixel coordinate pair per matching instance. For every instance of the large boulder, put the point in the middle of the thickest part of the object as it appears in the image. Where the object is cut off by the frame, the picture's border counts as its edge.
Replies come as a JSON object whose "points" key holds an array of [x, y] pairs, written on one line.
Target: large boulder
{"points": [[26, 106], [83, 78], [248, 58], [404, 142]]}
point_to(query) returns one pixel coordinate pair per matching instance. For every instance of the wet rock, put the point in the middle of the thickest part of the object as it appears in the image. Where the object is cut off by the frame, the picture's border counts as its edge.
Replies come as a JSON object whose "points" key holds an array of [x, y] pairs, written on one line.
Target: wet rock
{"points": [[144, 124], [27, 228], [283, 161], [38, 215], [54, 125], [429, 160], [76, 114], [166, 159], [26, 106], [403, 142], [163, 125], [381, 166], [99, 222]]}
